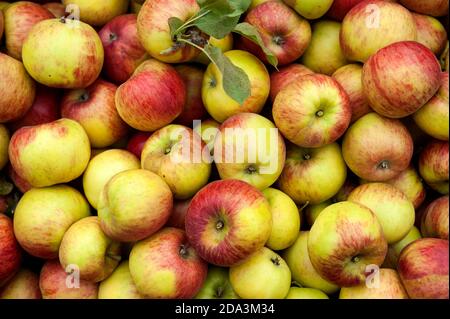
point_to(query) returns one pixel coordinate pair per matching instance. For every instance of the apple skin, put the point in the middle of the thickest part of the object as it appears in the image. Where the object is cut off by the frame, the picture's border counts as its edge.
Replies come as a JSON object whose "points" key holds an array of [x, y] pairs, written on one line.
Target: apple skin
{"points": [[97, 13], [423, 269], [133, 205], [305, 293], [433, 165], [344, 240], [17, 87], [431, 33], [2, 24], [43, 215], [53, 284], [4, 142], [152, 98], [178, 215], [433, 117], [97, 262], [121, 43], [171, 153], [258, 2], [376, 148], [56, 8], [73, 44], [435, 8], [393, 209], [102, 168], [217, 102], [303, 272], [208, 130], [285, 76], [313, 211], [119, 285], [395, 249], [361, 35], [9, 250], [217, 285], [310, 9], [166, 266], [21, 184], [263, 155], [303, 176], [435, 219], [24, 285], [287, 34], [340, 8], [154, 31], [400, 78], [325, 38], [51, 153], [136, 143], [227, 221], [349, 185], [390, 288], [350, 78], [313, 111]]}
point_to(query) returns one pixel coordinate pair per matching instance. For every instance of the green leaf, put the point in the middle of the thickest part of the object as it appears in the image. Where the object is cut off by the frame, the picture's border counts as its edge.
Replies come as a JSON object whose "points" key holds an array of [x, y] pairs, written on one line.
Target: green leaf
{"points": [[250, 32], [235, 81], [174, 24], [230, 8]]}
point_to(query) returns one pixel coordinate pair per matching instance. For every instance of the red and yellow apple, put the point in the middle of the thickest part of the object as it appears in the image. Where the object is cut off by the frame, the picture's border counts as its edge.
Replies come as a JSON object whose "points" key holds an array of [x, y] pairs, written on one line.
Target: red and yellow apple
{"points": [[431, 33], [435, 8], [24, 285], [119, 285], [310, 9], [395, 249], [9, 250], [433, 165], [279, 79], [435, 219]]}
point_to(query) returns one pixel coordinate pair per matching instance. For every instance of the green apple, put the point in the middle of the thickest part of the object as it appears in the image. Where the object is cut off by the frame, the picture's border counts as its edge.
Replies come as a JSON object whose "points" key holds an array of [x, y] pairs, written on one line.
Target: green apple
{"points": [[119, 285], [310, 9], [313, 211], [217, 285], [395, 249], [306, 293]]}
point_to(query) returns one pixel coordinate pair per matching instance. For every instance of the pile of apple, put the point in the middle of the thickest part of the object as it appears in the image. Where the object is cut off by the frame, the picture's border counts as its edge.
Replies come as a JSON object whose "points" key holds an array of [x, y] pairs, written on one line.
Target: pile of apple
{"points": [[100, 99]]}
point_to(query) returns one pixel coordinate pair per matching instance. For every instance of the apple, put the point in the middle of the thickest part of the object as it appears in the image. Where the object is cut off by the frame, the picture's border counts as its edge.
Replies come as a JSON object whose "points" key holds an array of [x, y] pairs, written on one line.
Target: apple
{"points": [[9, 250], [17, 87], [225, 44], [435, 8], [305, 293], [22, 185], [63, 53], [249, 147], [51, 153], [2, 24], [43, 215], [24, 285], [152, 98], [218, 104], [350, 78], [227, 221], [345, 239], [393, 209], [310, 9], [340, 8], [154, 31], [395, 249], [123, 51], [56, 283], [324, 54], [4, 142], [207, 130], [97, 13], [177, 217], [96, 263], [375, 24], [56, 8], [287, 34], [349, 185], [166, 266], [285, 219], [431, 33], [193, 108], [258, 2], [305, 178], [279, 79], [388, 287], [94, 108], [423, 268], [400, 78], [135, 6], [179, 156], [313, 111], [217, 285], [433, 117], [433, 165], [137, 142], [119, 285], [102, 168], [4, 5], [303, 272], [313, 211], [435, 219], [263, 275], [376, 148]]}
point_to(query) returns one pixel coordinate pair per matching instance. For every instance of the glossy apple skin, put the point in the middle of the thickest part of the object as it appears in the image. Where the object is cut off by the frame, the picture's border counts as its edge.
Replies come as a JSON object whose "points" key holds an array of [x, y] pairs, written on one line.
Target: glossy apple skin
{"points": [[239, 211], [24, 285], [136, 143], [285, 76], [310, 9], [400, 78], [410, 183], [360, 39], [123, 51], [313, 111], [152, 98], [119, 285], [56, 8], [98, 13], [376, 148], [433, 165], [286, 34], [431, 33], [390, 287], [17, 87], [344, 240], [9, 250], [395, 249], [178, 216], [423, 269], [305, 293], [165, 265], [53, 284], [435, 219], [435, 8]]}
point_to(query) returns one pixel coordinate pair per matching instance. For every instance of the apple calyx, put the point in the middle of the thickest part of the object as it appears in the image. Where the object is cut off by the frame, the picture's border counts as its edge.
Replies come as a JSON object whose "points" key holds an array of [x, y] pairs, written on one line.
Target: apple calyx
{"points": [[355, 259], [219, 292], [251, 169], [306, 157], [278, 40], [220, 224], [384, 164], [184, 252], [320, 113], [113, 37], [275, 261], [84, 96]]}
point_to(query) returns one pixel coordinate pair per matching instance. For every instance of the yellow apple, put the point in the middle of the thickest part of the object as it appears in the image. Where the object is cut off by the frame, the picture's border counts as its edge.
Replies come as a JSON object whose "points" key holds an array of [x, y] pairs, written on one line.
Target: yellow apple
{"points": [[4, 142], [97, 13], [395, 249], [313, 211], [119, 285], [310, 9], [306, 293]]}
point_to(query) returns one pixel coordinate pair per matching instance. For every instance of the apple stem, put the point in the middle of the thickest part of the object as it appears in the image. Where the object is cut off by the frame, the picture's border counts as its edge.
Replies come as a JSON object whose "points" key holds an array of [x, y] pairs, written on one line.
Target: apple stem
{"points": [[114, 257], [275, 261]]}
